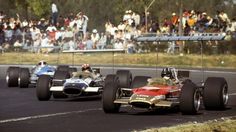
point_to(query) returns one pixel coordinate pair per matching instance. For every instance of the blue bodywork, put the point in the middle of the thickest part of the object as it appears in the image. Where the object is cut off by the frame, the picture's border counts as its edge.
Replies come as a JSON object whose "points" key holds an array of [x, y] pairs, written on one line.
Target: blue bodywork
{"points": [[44, 70], [41, 70]]}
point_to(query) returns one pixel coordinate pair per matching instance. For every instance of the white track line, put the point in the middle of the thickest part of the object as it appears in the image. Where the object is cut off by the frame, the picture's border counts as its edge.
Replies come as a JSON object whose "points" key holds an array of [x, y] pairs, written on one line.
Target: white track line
{"points": [[45, 116]]}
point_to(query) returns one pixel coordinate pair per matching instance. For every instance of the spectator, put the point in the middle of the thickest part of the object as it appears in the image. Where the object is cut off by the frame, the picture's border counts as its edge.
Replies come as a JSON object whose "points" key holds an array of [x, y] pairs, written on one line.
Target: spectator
{"points": [[102, 41], [89, 43], [54, 13], [46, 45], [82, 23], [95, 38], [136, 18], [118, 44], [155, 27], [130, 47], [2, 16], [8, 33], [2, 36], [37, 42]]}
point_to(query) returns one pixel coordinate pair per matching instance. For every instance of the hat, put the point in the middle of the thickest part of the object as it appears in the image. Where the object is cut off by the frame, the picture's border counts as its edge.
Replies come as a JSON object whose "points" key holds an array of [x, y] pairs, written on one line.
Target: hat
{"points": [[204, 13], [192, 12], [94, 31], [173, 14]]}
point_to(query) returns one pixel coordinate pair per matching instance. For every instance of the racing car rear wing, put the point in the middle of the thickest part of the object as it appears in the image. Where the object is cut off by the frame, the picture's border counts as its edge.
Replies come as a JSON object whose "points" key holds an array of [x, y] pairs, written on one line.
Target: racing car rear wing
{"points": [[191, 37]]}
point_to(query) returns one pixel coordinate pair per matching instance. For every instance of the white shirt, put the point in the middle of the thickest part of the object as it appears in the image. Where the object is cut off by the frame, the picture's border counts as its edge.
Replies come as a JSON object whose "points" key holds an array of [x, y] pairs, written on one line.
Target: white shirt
{"points": [[54, 8]]}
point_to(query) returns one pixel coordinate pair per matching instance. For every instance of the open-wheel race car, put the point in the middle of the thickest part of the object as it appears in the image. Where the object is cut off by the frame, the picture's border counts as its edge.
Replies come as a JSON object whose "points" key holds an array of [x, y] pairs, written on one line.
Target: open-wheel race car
{"points": [[23, 77], [86, 82], [167, 91], [173, 89]]}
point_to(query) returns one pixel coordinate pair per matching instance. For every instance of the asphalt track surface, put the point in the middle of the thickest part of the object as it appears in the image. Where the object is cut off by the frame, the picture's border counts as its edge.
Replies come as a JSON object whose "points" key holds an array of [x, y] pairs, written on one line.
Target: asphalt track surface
{"points": [[20, 111]]}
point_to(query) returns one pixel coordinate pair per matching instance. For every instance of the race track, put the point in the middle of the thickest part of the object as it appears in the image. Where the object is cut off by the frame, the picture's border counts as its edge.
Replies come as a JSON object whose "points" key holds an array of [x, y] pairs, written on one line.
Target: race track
{"points": [[20, 111]]}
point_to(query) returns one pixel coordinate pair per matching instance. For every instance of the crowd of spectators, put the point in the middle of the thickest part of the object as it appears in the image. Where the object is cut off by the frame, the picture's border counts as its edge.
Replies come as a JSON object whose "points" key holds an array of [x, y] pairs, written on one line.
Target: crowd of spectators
{"points": [[193, 22], [71, 32]]}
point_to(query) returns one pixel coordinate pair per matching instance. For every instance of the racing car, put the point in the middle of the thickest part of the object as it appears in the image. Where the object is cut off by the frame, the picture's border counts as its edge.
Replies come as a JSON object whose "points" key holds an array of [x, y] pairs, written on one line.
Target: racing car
{"points": [[86, 82], [172, 89], [22, 77]]}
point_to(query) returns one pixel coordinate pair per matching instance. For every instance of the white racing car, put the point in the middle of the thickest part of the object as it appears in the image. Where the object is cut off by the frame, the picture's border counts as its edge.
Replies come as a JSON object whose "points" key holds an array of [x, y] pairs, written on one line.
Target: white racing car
{"points": [[82, 83], [22, 77]]}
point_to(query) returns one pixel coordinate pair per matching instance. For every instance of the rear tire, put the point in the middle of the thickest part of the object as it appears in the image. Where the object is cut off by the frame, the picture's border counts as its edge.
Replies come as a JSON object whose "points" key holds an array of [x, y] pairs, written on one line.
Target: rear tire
{"points": [[110, 78], [12, 76], [24, 78], [60, 75], [139, 81], [63, 68], [215, 94], [110, 93], [189, 99], [43, 88], [125, 78]]}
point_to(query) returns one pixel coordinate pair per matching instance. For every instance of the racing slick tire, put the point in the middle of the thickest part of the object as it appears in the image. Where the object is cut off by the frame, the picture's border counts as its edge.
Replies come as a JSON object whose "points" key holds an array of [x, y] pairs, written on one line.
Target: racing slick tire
{"points": [[110, 78], [12, 76], [139, 81], [189, 98], [43, 88], [215, 93], [63, 68], [110, 93], [60, 75], [125, 78], [24, 78], [59, 95]]}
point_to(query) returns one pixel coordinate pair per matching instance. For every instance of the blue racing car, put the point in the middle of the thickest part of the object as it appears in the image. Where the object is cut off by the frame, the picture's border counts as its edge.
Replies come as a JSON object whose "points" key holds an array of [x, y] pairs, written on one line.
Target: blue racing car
{"points": [[22, 77]]}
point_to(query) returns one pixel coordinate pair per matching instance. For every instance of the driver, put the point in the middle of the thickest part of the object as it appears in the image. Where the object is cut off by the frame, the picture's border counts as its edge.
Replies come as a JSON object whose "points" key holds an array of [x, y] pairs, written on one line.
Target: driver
{"points": [[86, 72], [167, 78], [42, 63], [86, 68], [166, 73]]}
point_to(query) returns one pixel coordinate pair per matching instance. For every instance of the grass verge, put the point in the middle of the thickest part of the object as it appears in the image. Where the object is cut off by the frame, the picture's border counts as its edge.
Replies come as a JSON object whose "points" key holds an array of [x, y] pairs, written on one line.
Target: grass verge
{"points": [[122, 59], [221, 125]]}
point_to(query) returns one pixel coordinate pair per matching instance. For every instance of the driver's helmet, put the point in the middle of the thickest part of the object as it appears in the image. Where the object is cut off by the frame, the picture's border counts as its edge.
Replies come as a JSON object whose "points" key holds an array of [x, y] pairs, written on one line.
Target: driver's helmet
{"points": [[166, 73], [42, 63], [86, 67]]}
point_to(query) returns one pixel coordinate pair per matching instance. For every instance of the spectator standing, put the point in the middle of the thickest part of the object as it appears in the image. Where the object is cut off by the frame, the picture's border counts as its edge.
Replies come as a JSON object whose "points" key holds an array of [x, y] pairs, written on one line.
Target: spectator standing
{"points": [[95, 38], [54, 13]]}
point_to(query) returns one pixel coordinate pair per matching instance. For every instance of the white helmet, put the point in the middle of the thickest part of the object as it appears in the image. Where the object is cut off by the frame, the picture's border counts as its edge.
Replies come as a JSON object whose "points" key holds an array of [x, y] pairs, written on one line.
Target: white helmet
{"points": [[42, 63]]}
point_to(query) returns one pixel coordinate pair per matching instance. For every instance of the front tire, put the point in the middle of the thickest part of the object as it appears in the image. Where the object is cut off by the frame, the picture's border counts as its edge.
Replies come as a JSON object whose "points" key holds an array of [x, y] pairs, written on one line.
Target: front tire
{"points": [[215, 94], [110, 94], [43, 88], [12, 76], [189, 98], [24, 78]]}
